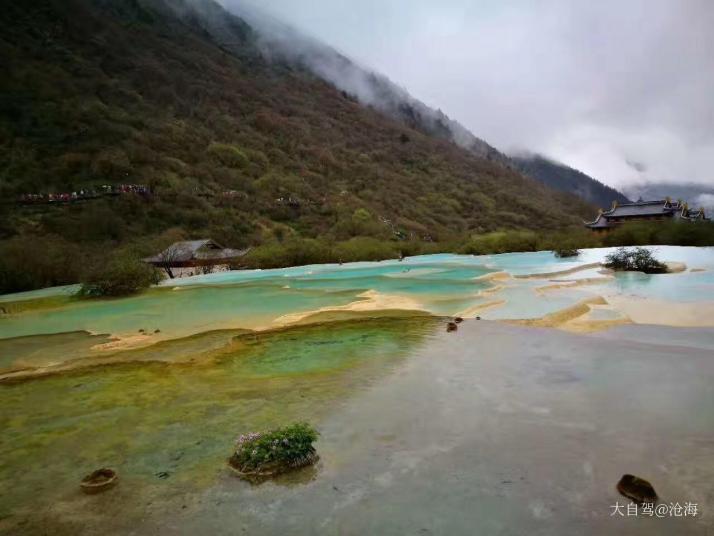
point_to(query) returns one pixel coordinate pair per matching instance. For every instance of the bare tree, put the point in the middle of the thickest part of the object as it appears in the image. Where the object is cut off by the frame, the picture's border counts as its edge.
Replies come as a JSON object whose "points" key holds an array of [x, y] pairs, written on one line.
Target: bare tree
{"points": [[169, 257]]}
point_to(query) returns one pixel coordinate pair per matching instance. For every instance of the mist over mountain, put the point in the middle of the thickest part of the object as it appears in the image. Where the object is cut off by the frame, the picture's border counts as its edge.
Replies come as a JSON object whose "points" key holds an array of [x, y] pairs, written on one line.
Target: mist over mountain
{"points": [[697, 195], [566, 179], [282, 43]]}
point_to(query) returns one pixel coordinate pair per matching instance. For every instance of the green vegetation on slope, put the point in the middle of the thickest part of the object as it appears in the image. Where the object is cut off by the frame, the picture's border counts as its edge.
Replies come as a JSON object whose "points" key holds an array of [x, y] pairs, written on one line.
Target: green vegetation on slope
{"points": [[231, 147], [567, 179], [629, 234]]}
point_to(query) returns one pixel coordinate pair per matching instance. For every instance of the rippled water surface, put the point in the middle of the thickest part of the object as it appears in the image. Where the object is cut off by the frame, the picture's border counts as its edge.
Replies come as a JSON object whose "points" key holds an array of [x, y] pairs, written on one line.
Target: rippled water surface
{"points": [[420, 428], [152, 418]]}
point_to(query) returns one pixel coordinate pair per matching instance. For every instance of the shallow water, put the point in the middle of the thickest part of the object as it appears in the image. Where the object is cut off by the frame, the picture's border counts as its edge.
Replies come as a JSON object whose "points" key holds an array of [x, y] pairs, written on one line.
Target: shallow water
{"points": [[442, 284], [400, 403], [495, 429], [181, 419], [175, 313]]}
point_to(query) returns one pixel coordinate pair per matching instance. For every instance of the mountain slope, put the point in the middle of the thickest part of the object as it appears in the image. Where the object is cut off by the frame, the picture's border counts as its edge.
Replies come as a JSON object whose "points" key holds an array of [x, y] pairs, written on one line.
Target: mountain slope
{"points": [[231, 146], [566, 179], [280, 42]]}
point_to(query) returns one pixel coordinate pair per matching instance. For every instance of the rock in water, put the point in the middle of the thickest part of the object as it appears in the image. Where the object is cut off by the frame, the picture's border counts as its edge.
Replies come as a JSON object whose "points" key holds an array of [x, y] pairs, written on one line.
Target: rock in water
{"points": [[637, 489], [452, 326], [99, 480], [458, 320]]}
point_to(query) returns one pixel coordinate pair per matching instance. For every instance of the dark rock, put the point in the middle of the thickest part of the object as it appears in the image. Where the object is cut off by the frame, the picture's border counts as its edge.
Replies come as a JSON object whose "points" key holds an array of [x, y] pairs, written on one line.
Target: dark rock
{"points": [[98, 481], [452, 326], [478, 318], [458, 320], [637, 489], [157, 331], [163, 474], [142, 330]]}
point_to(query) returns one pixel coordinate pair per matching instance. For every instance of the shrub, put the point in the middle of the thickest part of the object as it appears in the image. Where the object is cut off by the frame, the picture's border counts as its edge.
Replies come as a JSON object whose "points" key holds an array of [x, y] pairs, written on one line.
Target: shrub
{"points": [[228, 155], [296, 251], [636, 260], [361, 223], [275, 450], [28, 262], [364, 248], [565, 252], [292, 252], [571, 238], [633, 234], [501, 242], [121, 276]]}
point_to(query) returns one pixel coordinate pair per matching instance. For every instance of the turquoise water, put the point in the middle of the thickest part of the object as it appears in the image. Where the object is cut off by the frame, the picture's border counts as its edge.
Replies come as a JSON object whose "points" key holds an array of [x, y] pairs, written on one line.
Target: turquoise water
{"points": [[443, 284], [176, 312], [451, 275], [66, 291], [459, 418], [689, 287]]}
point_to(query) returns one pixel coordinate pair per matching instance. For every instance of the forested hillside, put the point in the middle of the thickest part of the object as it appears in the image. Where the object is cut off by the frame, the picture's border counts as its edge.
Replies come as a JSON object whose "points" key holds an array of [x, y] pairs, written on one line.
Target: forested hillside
{"points": [[567, 179], [154, 129], [281, 42]]}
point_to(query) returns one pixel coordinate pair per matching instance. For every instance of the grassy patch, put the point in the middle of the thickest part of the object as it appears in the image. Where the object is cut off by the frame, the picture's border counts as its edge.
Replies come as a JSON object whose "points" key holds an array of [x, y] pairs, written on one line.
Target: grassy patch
{"points": [[275, 451]]}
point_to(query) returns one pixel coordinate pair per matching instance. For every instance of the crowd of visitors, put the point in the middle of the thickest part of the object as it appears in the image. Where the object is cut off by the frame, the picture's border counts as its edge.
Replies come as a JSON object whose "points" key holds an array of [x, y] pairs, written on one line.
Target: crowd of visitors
{"points": [[83, 194]]}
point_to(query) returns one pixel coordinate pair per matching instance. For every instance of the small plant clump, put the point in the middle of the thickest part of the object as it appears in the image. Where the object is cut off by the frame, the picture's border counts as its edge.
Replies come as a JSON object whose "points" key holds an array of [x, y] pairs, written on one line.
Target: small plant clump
{"points": [[635, 260], [276, 451], [566, 252]]}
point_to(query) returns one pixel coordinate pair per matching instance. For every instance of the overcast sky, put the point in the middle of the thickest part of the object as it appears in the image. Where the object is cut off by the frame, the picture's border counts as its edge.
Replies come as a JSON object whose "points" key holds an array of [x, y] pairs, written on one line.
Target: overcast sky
{"points": [[621, 89]]}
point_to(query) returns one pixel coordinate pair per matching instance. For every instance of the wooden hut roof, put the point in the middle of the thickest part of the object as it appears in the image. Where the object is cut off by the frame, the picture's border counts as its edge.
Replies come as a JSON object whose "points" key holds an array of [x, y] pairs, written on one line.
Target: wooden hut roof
{"points": [[195, 250]]}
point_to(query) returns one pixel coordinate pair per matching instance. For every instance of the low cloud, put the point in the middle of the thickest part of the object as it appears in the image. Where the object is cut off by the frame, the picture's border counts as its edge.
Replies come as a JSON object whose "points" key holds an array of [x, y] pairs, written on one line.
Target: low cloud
{"points": [[597, 85], [280, 41], [704, 200]]}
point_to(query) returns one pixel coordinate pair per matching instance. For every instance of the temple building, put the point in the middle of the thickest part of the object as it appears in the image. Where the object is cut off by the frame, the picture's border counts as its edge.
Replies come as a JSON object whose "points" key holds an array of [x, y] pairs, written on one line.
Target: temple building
{"points": [[663, 210], [194, 256]]}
